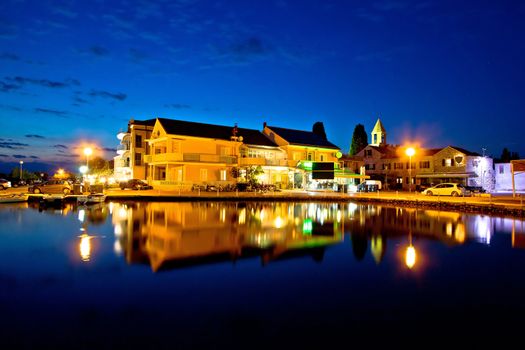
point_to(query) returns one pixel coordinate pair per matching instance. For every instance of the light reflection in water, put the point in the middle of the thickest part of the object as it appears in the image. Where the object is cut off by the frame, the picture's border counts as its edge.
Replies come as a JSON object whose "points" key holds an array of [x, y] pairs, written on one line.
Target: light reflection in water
{"points": [[165, 234], [85, 247]]}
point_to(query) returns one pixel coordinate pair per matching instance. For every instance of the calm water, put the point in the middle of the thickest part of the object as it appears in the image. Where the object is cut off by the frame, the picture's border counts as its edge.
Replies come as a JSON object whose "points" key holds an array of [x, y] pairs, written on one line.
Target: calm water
{"points": [[256, 275]]}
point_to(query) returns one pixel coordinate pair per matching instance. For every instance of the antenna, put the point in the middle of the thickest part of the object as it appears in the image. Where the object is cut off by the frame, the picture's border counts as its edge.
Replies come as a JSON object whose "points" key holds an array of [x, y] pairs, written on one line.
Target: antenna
{"points": [[483, 149]]}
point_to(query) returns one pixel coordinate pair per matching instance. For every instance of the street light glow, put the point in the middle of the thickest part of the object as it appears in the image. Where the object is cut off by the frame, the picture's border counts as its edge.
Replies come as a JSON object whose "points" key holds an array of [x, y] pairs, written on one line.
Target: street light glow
{"points": [[410, 151], [88, 151]]}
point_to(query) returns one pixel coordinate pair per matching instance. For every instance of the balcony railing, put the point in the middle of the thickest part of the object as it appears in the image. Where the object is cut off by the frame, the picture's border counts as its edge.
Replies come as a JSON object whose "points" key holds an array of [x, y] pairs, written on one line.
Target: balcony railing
{"points": [[263, 161], [189, 157]]}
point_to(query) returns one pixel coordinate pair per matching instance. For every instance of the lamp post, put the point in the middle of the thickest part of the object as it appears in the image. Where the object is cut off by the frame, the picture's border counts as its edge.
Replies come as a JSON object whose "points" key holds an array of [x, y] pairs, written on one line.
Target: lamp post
{"points": [[21, 162], [88, 151], [410, 152]]}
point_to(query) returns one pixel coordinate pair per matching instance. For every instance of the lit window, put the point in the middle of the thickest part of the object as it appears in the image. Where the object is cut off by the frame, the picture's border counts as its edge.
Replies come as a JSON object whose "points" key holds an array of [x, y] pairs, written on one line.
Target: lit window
{"points": [[501, 169], [204, 174], [223, 175]]}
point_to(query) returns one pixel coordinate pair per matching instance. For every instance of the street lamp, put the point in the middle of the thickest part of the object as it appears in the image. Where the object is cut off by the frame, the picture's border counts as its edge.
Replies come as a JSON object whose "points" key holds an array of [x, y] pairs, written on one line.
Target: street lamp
{"points": [[410, 152], [21, 162], [88, 151]]}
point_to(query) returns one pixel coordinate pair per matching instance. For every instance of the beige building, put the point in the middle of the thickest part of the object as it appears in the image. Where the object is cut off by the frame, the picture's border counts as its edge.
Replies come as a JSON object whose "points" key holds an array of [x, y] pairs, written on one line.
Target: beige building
{"points": [[428, 166], [129, 163]]}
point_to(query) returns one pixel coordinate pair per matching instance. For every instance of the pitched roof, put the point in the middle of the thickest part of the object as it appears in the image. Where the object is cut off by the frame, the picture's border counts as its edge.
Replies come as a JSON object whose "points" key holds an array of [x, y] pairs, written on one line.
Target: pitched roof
{"points": [[180, 127], [467, 152], [147, 122], [255, 138], [379, 127], [186, 128], [299, 137]]}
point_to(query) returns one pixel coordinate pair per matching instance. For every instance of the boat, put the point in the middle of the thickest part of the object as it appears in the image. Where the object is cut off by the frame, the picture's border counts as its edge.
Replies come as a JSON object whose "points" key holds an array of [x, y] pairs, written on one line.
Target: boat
{"points": [[13, 198], [91, 198]]}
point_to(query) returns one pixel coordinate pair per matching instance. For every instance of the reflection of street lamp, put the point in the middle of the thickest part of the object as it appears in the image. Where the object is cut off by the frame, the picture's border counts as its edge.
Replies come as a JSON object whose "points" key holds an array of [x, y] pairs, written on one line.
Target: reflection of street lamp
{"points": [[88, 151], [410, 152], [21, 162]]}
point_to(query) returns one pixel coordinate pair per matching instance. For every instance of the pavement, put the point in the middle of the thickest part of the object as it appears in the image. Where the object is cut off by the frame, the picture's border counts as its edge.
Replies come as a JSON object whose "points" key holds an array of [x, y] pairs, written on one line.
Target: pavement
{"points": [[505, 200]]}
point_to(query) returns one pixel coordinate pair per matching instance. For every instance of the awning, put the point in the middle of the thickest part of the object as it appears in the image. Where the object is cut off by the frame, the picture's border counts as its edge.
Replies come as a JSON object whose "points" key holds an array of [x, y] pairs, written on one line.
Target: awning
{"points": [[446, 175]]}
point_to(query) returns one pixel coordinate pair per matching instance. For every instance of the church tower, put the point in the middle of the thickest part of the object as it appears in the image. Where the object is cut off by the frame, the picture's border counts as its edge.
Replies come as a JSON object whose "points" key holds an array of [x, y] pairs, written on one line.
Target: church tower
{"points": [[378, 134]]}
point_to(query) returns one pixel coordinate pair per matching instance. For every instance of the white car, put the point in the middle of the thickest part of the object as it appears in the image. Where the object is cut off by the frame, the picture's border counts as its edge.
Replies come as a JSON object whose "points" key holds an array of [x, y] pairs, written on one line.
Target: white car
{"points": [[446, 189], [4, 184]]}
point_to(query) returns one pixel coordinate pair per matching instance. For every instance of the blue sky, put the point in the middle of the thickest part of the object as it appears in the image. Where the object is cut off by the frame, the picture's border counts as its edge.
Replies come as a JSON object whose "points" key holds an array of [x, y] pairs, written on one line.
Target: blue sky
{"points": [[439, 72]]}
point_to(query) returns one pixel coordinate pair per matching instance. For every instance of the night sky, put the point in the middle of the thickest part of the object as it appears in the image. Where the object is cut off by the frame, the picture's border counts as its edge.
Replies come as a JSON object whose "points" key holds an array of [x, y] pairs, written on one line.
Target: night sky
{"points": [[437, 72]]}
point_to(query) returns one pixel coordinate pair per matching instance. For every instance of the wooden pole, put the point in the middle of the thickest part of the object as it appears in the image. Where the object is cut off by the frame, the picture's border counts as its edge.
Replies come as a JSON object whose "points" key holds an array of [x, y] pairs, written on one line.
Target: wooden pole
{"points": [[513, 184]]}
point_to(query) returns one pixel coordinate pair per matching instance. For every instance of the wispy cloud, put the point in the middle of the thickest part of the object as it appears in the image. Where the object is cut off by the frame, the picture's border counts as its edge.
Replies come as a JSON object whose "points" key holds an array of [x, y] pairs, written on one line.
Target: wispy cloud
{"points": [[4, 155], [19, 156], [12, 144], [11, 108], [98, 50], [9, 56], [65, 12], [52, 111], [35, 136], [60, 146], [177, 106], [108, 149], [7, 87], [105, 94], [42, 82]]}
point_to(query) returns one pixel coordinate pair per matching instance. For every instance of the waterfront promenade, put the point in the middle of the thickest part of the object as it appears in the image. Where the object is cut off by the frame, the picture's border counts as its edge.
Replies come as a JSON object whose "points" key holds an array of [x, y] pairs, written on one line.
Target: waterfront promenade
{"points": [[499, 203]]}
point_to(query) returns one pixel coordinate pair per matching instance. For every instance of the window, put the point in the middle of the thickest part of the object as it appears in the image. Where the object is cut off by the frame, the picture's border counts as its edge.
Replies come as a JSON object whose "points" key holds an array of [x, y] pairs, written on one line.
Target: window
{"points": [[204, 174], [223, 175], [179, 175], [398, 165], [424, 165], [370, 166], [375, 138], [138, 141], [321, 157], [368, 153], [138, 158], [447, 162], [309, 156], [501, 169]]}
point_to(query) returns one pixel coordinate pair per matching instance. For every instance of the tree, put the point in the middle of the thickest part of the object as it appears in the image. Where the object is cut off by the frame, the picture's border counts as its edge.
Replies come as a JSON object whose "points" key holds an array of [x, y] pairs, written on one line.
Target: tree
{"points": [[507, 156], [359, 139], [318, 129], [99, 166]]}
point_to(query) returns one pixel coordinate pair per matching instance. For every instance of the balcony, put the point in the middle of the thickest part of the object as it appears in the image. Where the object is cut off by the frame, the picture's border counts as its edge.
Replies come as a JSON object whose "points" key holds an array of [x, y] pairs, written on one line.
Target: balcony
{"points": [[263, 161], [209, 158], [122, 148], [189, 157]]}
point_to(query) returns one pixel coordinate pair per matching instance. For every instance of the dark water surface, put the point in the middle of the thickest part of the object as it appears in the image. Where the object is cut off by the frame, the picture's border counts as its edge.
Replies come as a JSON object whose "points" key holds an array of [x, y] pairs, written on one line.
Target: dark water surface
{"points": [[256, 275]]}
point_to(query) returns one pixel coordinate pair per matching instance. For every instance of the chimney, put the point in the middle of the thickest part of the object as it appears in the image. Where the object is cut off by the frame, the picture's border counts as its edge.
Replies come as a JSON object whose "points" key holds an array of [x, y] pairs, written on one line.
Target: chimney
{"points": [[264, 125]]}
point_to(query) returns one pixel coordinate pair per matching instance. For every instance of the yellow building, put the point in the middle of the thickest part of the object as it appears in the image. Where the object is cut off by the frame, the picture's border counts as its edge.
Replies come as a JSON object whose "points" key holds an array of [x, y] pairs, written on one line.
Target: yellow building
{"points": [[184, 153], [311, 159]]}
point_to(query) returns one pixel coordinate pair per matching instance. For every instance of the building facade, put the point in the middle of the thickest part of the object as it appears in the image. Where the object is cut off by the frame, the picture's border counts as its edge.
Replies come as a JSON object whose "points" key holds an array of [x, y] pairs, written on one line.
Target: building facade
{"points": [[129, 162], [396, 170]]}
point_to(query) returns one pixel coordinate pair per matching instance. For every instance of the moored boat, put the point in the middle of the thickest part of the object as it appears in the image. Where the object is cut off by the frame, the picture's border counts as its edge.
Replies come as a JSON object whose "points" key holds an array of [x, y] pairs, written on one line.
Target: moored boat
{"points": [[13, 198], [91, 198]]}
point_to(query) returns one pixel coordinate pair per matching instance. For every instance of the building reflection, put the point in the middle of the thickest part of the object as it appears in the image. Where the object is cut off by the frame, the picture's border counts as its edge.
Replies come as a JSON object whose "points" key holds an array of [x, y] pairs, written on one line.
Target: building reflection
{"points": [[170, 235]]}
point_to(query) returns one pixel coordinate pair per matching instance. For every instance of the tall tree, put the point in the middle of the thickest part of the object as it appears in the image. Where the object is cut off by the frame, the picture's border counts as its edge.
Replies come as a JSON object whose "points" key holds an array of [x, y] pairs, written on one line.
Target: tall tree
{"points": [[505, 155], [318, 129], [359, 139]]}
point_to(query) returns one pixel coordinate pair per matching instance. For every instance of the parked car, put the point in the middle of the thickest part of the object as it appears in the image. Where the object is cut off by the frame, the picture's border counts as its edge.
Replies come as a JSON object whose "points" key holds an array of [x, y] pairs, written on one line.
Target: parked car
{"points": [[4, 184], [446, 189], [51, 187], [135, 184], [366, 187], [18, 183]]}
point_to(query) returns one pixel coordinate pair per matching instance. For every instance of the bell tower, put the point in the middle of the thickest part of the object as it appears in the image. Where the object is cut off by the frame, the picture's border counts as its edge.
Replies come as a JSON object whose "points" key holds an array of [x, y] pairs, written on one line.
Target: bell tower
{"points": [[378, 134]]}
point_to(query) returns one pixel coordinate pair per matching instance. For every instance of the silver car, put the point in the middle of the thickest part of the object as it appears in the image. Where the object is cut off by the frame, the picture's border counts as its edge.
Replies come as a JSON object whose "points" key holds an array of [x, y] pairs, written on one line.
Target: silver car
{"points": [[52, 186], [446, 189]]}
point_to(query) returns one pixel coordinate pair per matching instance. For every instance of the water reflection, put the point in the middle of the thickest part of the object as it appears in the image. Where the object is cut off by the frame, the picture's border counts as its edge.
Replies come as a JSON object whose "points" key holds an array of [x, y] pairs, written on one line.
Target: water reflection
{"points": [[170, 235], [179, 234]]}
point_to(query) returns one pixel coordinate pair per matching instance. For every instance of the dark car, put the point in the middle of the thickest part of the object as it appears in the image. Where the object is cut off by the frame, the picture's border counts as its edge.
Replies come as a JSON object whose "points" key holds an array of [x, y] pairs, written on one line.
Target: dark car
{"points": [[51, 186], [135, 184]]}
